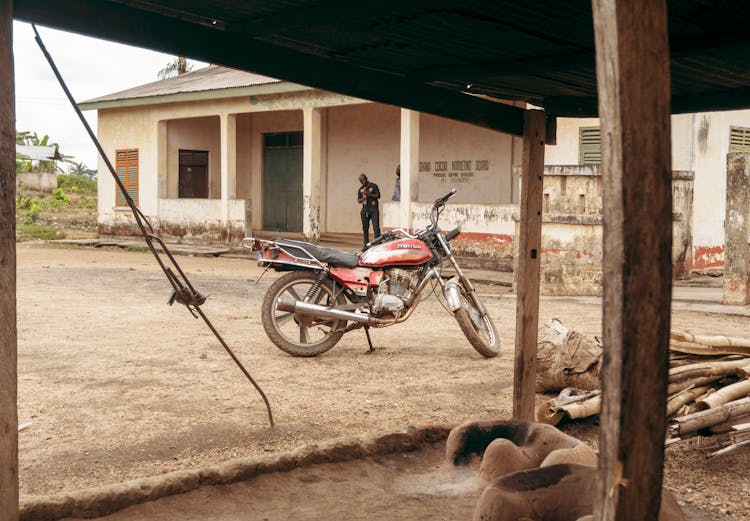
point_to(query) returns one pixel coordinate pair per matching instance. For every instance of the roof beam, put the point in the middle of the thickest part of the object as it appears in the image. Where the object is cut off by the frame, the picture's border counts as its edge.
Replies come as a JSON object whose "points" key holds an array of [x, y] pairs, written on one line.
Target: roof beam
{"points": [[124, 24]]}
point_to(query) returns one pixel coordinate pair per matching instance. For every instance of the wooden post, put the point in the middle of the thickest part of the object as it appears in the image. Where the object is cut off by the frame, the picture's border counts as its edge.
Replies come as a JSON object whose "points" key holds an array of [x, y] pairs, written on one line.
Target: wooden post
{"points": [[632, 60], [8, 343], [529, 252]]}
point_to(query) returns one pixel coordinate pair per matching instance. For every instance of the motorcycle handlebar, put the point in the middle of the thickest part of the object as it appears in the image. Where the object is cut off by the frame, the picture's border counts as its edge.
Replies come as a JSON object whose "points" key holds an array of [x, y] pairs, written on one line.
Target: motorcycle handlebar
{"points": [[442, 200], [380, 239]]}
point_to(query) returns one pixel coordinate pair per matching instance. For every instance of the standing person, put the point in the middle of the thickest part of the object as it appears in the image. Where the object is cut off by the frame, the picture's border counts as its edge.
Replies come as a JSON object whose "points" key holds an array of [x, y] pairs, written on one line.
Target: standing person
{"points": [[397, 187], [367, 195]]}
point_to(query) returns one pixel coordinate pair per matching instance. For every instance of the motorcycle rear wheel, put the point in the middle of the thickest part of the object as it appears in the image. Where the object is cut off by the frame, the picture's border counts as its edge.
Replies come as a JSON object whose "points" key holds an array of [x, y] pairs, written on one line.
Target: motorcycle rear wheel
{"points": [[290, 333], [480, 331]]}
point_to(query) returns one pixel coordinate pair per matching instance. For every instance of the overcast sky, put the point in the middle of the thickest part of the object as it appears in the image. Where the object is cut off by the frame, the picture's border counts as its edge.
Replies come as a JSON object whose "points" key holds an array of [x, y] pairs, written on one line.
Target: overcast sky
{"points": [[90, 67]]}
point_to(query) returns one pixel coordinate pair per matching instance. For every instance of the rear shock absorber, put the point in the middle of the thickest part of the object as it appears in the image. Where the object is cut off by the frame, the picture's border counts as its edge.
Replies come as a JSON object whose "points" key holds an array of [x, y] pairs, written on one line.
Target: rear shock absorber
{"points": [[312, 293]]}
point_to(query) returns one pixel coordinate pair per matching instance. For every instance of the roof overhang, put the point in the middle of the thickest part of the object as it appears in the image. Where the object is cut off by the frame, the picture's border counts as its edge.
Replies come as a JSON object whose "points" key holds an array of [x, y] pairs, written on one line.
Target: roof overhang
{"points": [[204, 95]]}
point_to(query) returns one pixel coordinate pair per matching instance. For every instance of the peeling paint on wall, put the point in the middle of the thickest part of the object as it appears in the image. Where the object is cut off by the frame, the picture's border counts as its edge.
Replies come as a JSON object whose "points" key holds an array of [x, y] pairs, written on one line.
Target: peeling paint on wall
{"points": [[572, 252], [708, 257]]}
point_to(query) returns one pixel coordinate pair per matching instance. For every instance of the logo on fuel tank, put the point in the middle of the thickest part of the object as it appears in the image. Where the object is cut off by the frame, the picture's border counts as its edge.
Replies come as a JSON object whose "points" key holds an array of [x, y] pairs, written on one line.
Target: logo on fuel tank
{"points": [[411, 246]]}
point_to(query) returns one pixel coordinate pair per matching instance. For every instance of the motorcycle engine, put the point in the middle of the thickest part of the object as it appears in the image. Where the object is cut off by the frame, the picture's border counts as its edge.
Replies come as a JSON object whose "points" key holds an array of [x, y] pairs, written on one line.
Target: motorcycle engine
{"points": [[393, 292]]}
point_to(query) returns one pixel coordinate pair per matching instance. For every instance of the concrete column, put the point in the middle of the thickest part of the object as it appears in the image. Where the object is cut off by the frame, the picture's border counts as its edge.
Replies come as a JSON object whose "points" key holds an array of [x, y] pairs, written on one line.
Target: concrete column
{"points": [[162, 188], [409, 165], [311, 173], [228, 126], [736, 229], [8, 332]]}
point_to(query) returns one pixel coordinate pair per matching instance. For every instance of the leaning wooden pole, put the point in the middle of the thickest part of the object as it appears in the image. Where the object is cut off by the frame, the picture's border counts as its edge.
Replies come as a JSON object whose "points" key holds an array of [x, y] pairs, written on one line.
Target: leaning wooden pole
{"points": [[529, 253], [8, 378], [633, 78]]}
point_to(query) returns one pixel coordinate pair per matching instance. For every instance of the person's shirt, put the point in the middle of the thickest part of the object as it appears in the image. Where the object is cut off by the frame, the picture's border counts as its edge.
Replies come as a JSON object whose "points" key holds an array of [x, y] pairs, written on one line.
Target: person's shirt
{"points": [[368, 194], [397, 190]]}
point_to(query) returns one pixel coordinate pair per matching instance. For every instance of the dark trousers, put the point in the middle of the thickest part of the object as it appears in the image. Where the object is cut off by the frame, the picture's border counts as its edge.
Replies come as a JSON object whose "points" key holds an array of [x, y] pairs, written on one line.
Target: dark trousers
{"points": [[370, 213]]}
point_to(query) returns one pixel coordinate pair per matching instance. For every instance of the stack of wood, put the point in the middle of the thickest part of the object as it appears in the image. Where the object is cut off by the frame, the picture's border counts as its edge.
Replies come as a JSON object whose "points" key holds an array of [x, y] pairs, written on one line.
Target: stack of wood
{"points": [[708, 392]]}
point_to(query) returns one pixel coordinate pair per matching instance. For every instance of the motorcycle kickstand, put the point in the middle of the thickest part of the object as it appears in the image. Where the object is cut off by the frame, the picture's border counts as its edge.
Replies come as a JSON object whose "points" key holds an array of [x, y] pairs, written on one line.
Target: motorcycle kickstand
{"points": [[369, 341]]}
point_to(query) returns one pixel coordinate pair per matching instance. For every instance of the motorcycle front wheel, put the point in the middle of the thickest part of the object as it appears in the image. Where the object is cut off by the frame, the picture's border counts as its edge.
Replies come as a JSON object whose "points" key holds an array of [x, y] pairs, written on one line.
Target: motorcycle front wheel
{"points": [[479, 330], [296, 335]]}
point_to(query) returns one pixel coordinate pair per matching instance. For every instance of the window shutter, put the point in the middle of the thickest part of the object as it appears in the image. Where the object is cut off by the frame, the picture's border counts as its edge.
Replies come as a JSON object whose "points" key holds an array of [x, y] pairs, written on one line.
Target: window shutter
{"points": [[590, 146], [126, 166], [739, 139]]}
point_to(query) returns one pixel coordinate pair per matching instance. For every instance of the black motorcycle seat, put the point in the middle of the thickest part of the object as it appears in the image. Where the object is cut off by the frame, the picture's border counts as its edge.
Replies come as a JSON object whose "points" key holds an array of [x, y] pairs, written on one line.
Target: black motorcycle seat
{"points": [[327, 255]]}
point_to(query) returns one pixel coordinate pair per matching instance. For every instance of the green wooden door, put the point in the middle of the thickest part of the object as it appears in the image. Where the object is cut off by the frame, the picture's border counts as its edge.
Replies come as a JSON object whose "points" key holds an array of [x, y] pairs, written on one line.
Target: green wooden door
{"points": [[282, 182]]}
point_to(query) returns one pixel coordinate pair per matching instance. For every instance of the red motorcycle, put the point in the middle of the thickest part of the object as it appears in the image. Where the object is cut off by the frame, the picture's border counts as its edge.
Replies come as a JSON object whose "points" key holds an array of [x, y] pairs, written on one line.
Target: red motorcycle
{"points": [[330, 292]]}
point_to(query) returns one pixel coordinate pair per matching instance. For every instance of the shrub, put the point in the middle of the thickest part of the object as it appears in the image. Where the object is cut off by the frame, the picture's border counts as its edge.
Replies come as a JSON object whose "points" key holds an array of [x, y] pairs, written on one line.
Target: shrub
{"points": [[76, 183], [59, 198]]}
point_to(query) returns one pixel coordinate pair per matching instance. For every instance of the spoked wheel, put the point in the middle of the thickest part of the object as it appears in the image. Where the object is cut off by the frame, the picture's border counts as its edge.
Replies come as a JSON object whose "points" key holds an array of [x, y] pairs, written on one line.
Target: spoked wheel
{"points": [[294, 334], [479, 330]]}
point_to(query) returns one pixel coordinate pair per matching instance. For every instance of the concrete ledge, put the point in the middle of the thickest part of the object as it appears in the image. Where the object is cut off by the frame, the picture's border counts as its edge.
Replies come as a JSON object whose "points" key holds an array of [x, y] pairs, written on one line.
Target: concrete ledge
{"points": [[100, 501]]}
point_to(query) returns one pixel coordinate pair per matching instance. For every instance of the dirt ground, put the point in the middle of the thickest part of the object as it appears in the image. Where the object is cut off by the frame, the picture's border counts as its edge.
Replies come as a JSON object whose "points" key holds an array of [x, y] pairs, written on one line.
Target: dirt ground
{"points": [[118, 385]]}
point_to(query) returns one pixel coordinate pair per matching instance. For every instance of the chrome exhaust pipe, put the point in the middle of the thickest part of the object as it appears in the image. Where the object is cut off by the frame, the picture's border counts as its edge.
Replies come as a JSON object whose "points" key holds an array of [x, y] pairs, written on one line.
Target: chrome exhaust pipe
{"points": [[286, 303]]}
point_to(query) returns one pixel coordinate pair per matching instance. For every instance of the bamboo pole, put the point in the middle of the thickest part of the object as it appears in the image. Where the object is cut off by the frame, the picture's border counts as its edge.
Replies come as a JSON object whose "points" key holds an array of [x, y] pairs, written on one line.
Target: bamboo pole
{"points": [[704, 419], [735, 424], [710, 340], [724, 395], [677, 387], [584, 409], [704, 350], [677, 374], [684, 397]]}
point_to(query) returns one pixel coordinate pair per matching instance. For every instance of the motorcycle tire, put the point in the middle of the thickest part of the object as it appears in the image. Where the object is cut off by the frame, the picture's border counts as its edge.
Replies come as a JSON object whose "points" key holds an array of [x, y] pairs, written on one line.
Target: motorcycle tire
{"points": [[480, 331], [283, 328]]}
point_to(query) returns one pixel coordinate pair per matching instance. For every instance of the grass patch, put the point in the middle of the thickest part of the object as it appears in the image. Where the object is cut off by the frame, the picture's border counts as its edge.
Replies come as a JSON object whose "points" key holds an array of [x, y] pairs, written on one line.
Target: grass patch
{"points": [[36, 231]]}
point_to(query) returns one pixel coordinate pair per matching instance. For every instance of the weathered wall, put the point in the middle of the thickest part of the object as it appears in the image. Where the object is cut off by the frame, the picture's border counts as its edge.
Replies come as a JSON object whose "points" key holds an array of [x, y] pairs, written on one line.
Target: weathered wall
{"points": [[188, 219], [360, 138], [737, 230], [476, 161], [124, 129], [571, 256], [43, 181], [487, 230], [700, 143]]}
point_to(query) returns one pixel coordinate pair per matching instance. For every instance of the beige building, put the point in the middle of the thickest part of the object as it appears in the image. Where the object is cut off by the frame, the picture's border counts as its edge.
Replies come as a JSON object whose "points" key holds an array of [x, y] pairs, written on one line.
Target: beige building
{"points": [[220, 154], [700, 144]]}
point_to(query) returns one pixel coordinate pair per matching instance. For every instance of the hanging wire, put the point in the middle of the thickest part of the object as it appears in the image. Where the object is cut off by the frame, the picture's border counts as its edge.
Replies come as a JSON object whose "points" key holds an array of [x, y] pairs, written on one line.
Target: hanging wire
{"points": [[183, 291]]}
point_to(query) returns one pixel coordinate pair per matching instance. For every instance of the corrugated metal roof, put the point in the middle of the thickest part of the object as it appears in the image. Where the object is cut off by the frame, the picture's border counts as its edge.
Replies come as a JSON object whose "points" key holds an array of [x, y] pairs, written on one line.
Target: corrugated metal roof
{"points": [[208, 78], [424, 55]]}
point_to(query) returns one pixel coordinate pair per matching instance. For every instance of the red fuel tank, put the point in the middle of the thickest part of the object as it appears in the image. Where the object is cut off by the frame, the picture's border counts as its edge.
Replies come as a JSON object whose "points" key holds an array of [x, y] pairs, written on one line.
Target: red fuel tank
{"points": [[404, 252]]}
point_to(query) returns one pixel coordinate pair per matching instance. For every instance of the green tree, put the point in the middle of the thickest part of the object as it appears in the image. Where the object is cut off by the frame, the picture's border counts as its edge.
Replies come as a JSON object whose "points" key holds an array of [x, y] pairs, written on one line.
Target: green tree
{"points": [[77, 168]]}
